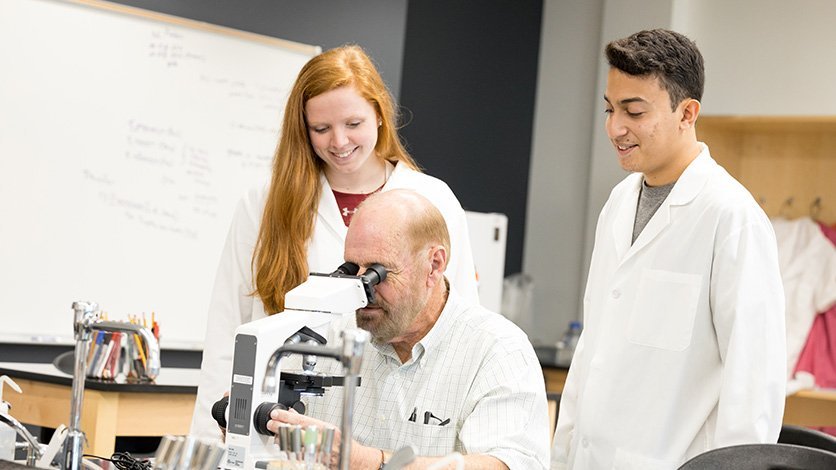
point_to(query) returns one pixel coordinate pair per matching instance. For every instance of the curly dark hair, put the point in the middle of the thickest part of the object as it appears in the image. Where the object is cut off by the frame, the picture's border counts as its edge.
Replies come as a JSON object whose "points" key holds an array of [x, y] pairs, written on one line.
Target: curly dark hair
{"points": [[665, 54]]}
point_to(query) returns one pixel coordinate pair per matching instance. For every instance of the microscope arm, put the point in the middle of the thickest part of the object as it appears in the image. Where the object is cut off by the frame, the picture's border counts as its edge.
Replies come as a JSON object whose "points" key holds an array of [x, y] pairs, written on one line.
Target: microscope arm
{"points": [[271, 376]]}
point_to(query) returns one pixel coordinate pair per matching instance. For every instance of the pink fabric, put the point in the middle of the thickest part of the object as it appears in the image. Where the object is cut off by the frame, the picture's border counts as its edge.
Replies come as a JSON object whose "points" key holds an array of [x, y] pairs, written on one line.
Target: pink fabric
{"points": [[819, 354], [829, 231]]}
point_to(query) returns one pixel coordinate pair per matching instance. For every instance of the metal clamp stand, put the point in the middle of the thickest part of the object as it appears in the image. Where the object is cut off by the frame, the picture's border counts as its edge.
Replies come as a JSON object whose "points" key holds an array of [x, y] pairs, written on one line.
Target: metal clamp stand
{"points": [[85, 314], [350, 356], [85, 321], [34, 450]]}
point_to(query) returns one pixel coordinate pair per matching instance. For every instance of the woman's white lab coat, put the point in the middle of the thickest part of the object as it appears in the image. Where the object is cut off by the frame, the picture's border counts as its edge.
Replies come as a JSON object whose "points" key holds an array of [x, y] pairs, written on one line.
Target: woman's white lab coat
{"points": [[683, 347], [232, 305]]}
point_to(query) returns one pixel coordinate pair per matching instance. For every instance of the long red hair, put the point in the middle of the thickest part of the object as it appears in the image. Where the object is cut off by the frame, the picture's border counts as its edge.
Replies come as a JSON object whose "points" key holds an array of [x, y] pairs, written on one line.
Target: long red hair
{"points": [[280, 260]]}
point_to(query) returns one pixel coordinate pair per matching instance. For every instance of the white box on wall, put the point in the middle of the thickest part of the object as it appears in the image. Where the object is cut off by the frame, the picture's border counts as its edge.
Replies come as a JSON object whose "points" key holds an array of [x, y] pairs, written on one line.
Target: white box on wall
{"points": [[488, 236]]}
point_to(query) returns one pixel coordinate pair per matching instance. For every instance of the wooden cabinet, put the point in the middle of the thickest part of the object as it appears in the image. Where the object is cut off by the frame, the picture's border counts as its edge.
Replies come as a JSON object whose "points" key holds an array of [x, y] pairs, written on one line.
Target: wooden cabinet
{"points": [[555, 378], [787, 163]]}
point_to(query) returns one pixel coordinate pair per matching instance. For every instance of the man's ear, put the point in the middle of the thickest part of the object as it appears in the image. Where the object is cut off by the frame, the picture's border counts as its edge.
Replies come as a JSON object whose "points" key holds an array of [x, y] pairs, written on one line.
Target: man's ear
{"points": [[438, 263], [690, 113]]}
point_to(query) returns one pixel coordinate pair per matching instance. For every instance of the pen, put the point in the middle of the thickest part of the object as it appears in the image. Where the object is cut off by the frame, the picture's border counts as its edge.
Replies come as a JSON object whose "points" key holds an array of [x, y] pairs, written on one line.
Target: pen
{"points": [[139, 348], [429, 414], [414, 415]]}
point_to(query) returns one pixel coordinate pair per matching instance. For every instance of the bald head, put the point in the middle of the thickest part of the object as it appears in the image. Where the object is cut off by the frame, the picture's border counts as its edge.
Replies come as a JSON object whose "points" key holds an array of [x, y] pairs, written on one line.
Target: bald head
{"points": [[405, 233], [401, 218]]}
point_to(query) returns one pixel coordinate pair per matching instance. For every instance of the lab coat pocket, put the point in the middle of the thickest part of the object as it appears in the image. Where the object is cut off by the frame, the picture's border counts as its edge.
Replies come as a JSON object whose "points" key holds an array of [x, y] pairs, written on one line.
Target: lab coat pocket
{"points": [[663, 312], [430, 439]]}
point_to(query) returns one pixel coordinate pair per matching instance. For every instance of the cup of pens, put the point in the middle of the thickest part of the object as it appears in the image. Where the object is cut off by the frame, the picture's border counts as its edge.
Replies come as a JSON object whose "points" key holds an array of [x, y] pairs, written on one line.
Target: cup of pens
{"points": [[123, 355], [307, 448]]}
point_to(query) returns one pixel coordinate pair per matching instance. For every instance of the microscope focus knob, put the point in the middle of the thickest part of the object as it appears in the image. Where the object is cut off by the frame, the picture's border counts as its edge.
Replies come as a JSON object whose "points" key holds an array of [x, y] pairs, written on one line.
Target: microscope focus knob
{"points": [[219, 411], [262, 415]]}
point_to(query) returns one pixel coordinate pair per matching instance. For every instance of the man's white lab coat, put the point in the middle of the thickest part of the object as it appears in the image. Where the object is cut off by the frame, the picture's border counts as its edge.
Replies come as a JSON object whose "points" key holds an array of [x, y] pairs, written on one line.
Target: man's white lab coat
{"points": [[683, 348]]}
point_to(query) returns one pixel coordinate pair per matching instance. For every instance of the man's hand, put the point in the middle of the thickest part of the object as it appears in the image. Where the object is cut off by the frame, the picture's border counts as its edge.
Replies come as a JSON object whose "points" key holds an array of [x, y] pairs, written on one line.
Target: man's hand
{"points": [[361, 456]]}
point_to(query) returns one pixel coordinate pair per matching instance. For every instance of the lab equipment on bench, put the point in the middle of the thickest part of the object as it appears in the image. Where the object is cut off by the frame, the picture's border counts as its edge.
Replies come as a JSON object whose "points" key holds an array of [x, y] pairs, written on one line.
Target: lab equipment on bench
{"points": [[37, 454], [8, 434], [10, 428], [187, 453], [258, 383], [566, 346], [87, 319]]}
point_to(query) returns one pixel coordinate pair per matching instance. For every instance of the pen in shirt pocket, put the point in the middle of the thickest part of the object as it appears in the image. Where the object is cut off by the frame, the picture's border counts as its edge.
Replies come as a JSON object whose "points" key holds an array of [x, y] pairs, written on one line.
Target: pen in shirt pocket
{"points": [[414, 415], [429, 415]]}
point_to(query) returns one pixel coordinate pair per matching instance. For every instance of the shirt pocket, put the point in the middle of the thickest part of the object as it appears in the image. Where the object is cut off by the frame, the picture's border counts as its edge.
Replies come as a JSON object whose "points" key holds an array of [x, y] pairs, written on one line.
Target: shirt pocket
{"points": [[664, 308], [430, 439]]}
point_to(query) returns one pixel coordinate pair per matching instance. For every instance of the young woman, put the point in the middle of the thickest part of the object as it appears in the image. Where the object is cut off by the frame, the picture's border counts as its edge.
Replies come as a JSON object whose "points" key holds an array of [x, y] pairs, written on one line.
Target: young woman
{"points": [[339, 144]]}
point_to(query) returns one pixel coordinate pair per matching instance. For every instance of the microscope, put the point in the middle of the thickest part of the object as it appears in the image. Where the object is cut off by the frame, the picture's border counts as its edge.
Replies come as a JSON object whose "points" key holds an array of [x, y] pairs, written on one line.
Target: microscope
{"points": [[258, 383]]}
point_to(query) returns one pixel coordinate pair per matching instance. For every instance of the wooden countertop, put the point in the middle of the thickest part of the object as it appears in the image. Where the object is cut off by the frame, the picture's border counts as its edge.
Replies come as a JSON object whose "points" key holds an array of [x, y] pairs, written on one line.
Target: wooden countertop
{"points": [[170, 380]]}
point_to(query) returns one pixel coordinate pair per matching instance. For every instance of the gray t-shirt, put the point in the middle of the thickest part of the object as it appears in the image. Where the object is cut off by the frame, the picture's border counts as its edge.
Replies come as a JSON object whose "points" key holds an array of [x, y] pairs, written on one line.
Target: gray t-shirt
{"points": [[650, 198]]}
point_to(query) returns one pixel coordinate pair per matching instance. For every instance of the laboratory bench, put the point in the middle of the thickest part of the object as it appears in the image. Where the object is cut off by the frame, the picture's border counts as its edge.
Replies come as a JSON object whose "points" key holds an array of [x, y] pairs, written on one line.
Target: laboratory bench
{"points": [[110, 408], [165, 406], [809, 408]]}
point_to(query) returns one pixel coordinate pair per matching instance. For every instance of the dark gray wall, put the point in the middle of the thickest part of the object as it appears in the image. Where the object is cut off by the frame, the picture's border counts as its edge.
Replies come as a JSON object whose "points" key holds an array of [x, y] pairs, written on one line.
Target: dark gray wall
{"points": [[469, 82], [376, 25]]}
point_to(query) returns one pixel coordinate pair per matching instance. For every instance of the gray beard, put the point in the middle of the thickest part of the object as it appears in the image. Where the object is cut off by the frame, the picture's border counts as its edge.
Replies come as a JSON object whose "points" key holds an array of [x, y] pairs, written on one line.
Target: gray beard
{"points": [[394, 321]]}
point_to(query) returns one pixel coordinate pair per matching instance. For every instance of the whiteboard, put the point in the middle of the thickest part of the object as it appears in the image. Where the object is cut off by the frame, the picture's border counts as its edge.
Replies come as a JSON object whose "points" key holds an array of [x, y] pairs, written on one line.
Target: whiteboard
{"points": [[126, 140]]}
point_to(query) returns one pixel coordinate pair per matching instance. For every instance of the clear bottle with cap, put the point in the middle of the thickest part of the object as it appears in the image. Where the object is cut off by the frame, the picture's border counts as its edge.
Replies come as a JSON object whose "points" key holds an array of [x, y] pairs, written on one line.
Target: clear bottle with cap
{"points": [[566, 346], [8, 436]]}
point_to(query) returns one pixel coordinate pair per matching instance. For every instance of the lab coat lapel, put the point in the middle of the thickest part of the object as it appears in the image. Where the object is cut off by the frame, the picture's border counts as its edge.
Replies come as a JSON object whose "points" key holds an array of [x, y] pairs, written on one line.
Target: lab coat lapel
{"points": [[690, 184], [657, 223], [328, 212], [622, 228]]}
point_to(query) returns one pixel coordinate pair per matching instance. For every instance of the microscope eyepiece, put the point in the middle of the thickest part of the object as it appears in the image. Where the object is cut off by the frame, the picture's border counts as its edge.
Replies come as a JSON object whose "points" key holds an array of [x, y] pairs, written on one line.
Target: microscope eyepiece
{"points": [[375, 274], [347, 268]]}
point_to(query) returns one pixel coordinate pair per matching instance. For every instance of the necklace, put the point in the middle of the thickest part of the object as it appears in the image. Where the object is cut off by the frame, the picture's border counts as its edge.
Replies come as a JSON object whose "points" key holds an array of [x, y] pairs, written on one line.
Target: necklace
{"points": [[387, 171]]}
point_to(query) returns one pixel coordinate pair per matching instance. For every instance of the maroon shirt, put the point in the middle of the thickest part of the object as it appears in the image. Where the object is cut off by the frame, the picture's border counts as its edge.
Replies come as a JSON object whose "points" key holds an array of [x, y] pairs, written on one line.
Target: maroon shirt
{"points": [[348, 203]]}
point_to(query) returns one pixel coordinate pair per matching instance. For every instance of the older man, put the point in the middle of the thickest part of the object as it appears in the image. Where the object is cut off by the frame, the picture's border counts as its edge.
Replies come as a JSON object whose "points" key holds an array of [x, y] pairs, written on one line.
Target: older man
{"points": [[440, 374]]}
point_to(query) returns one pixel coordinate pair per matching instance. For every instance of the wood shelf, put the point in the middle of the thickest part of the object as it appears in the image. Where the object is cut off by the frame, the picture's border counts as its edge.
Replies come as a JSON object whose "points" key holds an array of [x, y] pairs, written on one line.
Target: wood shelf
{"points": [[809, 408], [787, 163]]}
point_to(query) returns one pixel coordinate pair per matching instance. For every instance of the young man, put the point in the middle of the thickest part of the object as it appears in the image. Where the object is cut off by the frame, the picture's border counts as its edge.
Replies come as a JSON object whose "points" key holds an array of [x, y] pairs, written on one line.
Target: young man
{"points": [[683, 348], [441, 374]]}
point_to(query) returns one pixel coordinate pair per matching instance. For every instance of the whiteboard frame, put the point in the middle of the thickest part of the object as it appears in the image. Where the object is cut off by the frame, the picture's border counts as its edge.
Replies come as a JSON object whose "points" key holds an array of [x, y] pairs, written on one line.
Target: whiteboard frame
{"points": [[201, 25]]}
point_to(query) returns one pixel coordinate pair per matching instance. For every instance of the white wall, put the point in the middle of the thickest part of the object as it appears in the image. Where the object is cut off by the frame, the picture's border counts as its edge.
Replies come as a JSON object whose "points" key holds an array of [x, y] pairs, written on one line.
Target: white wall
{"points": [[559, 172], [621, 18], [573, 167], [764, 57]]}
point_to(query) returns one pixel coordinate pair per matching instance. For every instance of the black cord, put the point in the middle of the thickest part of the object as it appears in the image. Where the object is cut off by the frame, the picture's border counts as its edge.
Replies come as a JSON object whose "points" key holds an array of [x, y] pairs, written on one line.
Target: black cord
{"points": [[125, 461]]}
